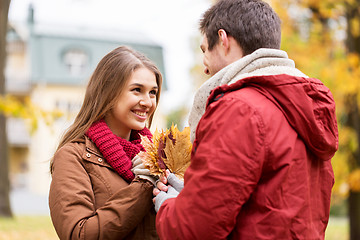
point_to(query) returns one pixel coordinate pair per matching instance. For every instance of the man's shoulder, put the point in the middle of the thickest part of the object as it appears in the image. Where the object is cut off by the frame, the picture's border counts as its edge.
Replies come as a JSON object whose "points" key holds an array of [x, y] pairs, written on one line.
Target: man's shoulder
{"points": [[245, 103], [252, 96]]}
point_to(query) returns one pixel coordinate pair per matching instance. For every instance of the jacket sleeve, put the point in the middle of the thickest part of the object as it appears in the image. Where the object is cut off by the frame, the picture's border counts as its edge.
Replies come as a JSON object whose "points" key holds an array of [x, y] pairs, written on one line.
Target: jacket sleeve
{"points": [[72, 202], [225, 167]]}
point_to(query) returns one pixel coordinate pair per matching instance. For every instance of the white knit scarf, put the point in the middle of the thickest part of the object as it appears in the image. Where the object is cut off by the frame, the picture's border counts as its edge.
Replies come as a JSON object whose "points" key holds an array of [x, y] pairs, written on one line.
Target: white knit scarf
{"points": [[262, 62]]}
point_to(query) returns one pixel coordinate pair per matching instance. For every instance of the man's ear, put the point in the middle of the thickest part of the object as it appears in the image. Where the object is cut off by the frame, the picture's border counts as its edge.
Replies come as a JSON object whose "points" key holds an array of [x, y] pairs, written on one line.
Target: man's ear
{"points": [[229, 45], [224, 40]]}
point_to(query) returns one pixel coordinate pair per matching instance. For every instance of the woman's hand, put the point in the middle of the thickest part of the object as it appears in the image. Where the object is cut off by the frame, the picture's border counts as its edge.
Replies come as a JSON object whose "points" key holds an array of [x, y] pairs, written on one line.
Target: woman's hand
{"points": [[161, 185], [139, 170]]}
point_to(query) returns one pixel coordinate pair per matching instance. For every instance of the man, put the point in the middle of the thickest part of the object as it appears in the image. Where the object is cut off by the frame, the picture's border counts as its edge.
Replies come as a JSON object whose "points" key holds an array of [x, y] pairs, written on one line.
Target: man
{"points": [[264, 134]]}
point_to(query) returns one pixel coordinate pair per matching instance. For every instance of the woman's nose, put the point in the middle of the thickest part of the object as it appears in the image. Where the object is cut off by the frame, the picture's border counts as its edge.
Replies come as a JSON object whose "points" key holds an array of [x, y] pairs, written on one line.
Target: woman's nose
{"points": [[145, 101]]}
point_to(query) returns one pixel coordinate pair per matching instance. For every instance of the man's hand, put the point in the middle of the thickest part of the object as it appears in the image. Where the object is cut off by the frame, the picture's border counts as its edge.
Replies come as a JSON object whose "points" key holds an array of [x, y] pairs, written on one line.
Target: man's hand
{"points": [[175, 182], [163, 192]]}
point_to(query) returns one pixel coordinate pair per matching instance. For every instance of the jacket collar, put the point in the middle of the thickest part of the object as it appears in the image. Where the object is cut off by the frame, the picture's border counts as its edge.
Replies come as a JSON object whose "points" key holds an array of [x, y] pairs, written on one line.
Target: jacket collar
{"points": [[261, 62], [91, 147], [92, 153]]}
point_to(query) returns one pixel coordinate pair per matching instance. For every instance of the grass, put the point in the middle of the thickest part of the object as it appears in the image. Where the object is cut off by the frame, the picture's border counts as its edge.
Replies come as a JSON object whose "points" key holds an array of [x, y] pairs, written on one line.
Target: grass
{"points": [[27, 227], [338, 229], [40, 228]]}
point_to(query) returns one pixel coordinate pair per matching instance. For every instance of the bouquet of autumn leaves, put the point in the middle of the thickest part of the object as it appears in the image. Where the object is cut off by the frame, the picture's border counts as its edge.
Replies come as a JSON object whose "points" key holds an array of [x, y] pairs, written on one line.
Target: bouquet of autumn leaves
{"points": [[169, 149]]}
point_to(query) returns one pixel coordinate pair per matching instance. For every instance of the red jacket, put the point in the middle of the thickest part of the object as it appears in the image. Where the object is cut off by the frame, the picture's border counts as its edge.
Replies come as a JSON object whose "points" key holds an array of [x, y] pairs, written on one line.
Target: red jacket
{"points": [[261, 164]]}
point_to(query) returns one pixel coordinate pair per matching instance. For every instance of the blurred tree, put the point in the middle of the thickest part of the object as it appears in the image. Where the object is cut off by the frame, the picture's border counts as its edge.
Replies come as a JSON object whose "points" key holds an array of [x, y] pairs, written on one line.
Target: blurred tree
{"points": [[177, 117], [197, 71], [5, 209], [323, 37], [11, 106]]}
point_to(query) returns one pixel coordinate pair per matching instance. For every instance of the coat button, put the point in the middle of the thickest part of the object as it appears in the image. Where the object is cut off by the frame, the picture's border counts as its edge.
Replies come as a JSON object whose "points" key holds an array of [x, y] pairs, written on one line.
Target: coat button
{"points": [[100, 160], [88, 155]]}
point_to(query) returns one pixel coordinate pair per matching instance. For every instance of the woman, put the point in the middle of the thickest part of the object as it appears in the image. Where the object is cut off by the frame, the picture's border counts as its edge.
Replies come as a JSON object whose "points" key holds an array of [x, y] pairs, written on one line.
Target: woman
{"points": [[100, 189]]}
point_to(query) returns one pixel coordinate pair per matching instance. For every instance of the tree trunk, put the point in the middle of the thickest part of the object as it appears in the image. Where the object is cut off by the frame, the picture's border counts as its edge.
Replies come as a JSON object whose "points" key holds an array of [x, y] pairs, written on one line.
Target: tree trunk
{"points": [[353, 46], [354, 197], [352, 18], [354, 215], [5, 209]]}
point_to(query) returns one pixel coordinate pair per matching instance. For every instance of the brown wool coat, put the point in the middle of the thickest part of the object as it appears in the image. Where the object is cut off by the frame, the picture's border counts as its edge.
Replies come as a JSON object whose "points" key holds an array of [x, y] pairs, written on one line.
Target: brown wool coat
{"points": [[89, 200]]}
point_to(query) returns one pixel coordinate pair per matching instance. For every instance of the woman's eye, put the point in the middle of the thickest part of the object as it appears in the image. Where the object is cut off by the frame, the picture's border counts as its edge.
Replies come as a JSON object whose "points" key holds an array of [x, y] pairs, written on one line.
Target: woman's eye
{"points": [[136, 90], [153, 92]]}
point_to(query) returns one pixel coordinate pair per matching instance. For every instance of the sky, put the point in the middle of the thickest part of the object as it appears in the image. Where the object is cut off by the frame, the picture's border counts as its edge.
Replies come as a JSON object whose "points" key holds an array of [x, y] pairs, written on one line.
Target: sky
{"points": [[169, 23]]}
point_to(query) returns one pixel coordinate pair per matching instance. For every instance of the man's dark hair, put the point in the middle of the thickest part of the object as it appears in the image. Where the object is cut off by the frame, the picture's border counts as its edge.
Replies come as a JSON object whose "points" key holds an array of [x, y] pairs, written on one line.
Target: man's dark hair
{"points": [[253, 24]]}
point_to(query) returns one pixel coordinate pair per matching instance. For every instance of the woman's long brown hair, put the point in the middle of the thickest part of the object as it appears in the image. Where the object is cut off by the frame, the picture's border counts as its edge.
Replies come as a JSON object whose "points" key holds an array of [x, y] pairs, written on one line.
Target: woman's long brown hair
{"points": [[104, 87]]}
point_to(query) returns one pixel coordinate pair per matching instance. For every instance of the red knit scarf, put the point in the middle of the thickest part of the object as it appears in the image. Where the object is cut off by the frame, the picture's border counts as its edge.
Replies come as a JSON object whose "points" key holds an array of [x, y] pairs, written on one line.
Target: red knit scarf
{"points": [[117, 151]]}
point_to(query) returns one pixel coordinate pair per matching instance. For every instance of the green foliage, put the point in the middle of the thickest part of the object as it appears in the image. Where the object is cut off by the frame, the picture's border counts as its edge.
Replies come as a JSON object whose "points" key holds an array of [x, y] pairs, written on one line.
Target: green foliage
{"points": [[339, 209], [176, 117]]}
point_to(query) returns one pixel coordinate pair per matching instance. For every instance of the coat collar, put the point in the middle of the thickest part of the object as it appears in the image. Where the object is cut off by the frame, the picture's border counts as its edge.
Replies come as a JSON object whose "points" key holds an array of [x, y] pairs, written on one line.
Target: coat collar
{"points": [[92, 153], [261, 62]]}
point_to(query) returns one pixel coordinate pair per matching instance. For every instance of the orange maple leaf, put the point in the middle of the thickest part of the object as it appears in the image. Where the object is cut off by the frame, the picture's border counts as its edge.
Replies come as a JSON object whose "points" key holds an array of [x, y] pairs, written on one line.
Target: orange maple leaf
{"points": [[169, 149]]}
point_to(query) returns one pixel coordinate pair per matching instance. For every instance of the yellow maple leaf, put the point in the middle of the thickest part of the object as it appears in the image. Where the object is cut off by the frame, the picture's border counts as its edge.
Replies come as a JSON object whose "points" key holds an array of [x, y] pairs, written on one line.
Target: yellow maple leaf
{"points": [[149, 157], [169, 149], [178, 151]]}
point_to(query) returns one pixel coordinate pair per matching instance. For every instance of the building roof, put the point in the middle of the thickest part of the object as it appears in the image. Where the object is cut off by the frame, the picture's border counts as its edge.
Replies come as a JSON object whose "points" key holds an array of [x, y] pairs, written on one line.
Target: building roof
{"points": [[62, 54]]}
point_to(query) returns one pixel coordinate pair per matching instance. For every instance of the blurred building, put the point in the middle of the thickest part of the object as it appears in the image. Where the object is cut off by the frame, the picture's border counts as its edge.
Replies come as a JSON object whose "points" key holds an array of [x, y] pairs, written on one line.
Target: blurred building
{"points": [[50, 65]]}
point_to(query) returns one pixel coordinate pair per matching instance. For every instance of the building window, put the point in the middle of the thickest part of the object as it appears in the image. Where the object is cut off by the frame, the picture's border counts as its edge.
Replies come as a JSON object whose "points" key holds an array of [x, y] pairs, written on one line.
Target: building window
{"points": [[76, 61]]}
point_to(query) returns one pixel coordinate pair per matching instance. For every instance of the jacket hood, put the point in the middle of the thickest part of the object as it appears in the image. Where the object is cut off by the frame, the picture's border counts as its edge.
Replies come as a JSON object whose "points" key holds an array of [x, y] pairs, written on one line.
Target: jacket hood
{"points": [[307, 104]]}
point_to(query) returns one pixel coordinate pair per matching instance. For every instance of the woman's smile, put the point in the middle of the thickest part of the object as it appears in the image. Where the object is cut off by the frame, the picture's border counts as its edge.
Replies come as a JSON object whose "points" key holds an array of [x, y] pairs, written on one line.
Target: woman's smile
{"points": [[141, 114]]}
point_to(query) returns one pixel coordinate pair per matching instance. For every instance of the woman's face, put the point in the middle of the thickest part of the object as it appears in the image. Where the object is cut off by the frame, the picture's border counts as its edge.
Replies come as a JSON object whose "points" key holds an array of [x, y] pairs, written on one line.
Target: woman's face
{"points": [[135, 104]]}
